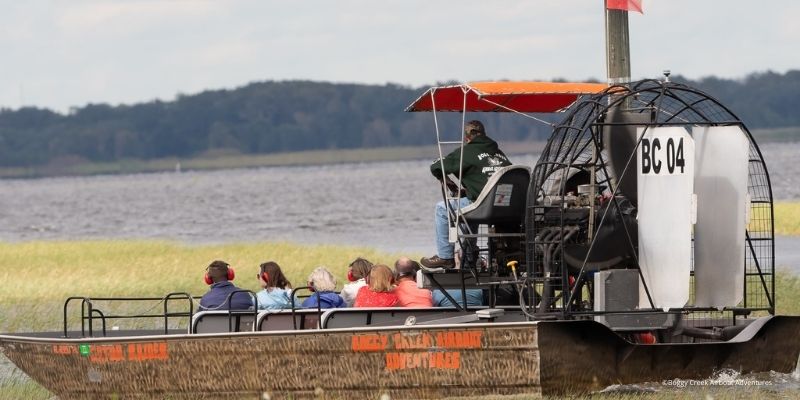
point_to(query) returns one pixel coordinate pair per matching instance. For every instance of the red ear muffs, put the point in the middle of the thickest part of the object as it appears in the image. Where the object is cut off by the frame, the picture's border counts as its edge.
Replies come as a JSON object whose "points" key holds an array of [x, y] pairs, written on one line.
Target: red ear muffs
{"points": [[350, 276], [265, 277], [207, 279]]}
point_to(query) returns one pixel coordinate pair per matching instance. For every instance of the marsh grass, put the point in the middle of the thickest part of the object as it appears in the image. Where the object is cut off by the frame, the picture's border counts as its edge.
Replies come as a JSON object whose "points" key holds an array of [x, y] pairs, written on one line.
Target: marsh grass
{"points": [[44, 274], [40, 275], [27, 390], [787, 218], [787, 293]]}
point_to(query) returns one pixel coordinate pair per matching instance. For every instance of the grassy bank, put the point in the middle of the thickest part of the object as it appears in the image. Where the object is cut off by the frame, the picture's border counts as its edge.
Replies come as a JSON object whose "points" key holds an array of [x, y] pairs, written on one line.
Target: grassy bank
{"points": [[23, 390], [40, 275], [45, 273], [218, 161], [223, 160], [787, 218]]}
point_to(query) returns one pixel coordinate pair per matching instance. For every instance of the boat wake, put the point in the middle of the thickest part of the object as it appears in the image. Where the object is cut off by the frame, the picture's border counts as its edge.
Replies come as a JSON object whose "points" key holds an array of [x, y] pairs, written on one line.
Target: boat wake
{"points": [[721, 381]]}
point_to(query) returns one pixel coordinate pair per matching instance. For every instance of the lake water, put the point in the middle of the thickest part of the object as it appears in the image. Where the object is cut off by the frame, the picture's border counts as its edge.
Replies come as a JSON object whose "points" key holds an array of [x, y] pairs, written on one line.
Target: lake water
{"points": [[384, 205]]}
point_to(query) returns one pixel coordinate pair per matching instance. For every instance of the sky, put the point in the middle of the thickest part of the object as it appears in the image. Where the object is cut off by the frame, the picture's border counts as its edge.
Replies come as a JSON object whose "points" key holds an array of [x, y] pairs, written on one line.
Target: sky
{"points": [[60, 54]]}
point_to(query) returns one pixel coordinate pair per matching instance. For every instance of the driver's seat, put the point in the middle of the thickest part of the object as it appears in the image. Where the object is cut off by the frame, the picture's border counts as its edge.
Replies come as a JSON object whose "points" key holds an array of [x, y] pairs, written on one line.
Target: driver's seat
{"points": [[503, 199], [501, 206]]}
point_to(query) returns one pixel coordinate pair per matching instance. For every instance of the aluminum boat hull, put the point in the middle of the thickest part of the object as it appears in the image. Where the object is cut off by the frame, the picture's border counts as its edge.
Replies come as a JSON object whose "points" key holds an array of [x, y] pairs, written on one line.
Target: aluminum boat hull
{"points": [[535, 358]]}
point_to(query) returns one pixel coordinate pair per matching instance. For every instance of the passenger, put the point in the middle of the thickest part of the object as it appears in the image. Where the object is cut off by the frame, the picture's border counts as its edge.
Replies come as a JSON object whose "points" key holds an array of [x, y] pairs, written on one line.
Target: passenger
{"points": [[356, 275], [482, 157], [277, 290], [474, 298], [378, 292], [219, 275], [323, 285], [408, 294]]}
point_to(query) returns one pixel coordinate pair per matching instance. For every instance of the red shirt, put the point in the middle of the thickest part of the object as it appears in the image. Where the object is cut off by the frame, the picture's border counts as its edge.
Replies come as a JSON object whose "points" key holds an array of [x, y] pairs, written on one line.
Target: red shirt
{"points": [[368, 298], [409, 295]]}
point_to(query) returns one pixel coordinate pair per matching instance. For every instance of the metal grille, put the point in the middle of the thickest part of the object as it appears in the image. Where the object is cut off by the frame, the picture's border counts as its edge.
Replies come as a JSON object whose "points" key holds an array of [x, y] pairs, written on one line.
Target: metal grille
{"points": [[576, 143]]}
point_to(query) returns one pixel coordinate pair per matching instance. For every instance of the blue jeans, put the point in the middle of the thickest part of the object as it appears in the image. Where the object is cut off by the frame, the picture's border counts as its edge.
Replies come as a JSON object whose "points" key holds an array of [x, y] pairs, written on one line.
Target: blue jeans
{"points": [[474, 298], [444, 249]]}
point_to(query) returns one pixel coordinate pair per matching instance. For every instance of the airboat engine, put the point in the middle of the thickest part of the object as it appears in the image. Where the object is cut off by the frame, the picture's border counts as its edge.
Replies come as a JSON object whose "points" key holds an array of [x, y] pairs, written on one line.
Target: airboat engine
{"points": [[658, 181]]}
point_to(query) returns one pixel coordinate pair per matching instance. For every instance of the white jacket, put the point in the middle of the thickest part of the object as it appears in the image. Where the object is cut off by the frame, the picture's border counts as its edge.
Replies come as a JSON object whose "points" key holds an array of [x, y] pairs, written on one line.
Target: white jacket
{"points": [[350, 290]]}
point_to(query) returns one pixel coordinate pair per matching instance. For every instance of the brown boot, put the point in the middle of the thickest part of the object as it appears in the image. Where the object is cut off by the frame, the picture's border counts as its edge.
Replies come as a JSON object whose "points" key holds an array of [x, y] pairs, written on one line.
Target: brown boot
{"points": [[436, 262]]}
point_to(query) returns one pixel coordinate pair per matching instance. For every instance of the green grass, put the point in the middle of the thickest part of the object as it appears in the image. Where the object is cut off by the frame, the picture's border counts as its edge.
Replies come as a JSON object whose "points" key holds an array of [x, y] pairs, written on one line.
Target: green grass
{"points": [[40, 275], [46, 273], [787, 218], [27, 390], [787, 288]]}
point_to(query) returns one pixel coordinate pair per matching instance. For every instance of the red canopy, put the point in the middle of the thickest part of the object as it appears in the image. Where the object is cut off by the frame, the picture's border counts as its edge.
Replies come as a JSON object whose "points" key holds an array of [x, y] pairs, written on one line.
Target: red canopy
{"points": [[504, 96]]}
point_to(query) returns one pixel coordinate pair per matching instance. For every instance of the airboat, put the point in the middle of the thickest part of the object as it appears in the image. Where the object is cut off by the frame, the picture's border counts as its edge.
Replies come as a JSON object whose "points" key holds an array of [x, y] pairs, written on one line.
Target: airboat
{"points": [[638, 248]]}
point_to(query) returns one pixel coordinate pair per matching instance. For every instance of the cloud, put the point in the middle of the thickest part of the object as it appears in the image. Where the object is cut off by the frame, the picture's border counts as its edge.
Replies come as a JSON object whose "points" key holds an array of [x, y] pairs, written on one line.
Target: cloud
{"points": [[69, 52], [130, 17]]}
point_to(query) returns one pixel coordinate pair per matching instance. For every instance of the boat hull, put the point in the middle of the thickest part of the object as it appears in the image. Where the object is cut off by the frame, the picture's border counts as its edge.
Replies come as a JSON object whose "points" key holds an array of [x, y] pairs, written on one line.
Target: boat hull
{"points": [[535, 358], [596, 358], [404, 363]]}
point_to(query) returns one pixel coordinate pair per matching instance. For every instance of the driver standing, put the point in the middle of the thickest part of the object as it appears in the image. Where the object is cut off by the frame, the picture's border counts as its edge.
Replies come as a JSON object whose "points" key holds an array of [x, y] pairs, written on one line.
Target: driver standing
{"points": [[482, 157]]}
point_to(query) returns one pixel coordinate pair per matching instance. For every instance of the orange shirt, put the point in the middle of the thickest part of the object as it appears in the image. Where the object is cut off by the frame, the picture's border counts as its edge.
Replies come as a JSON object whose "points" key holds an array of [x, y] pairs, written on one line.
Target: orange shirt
{"points": [[409, 295]]}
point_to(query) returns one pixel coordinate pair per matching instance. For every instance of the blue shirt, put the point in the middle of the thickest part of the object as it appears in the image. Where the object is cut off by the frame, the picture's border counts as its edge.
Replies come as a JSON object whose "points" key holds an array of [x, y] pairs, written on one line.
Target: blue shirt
{"points": [[217, 296], [326, 300], [474, 298], [276, 298]]}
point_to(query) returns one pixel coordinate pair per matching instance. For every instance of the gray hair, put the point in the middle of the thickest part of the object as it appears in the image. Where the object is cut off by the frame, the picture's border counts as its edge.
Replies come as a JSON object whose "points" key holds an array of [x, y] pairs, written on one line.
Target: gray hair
{"points": [[322, 280]]}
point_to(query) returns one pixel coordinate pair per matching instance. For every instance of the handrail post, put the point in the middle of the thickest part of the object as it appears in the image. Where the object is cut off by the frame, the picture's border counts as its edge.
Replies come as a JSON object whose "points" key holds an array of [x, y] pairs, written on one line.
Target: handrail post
{"points": [[228, 301], [66, 306], [83, 317], [90, 309], [166, 300], [294, 291], [102, 318], [291, 301]]}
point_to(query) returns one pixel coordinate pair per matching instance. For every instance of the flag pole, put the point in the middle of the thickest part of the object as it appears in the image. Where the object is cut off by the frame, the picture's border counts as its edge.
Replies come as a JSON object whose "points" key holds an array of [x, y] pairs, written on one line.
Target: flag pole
{"points": [[618, 63]]}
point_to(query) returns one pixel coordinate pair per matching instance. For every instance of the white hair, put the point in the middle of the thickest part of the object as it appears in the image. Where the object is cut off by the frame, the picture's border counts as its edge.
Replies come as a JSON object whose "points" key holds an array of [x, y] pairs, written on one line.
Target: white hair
{"points": [[322, 280]]}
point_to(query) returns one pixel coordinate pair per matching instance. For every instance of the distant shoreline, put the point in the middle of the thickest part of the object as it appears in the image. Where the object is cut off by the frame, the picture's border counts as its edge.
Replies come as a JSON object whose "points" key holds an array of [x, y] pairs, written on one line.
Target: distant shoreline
{"points": [[221, 160], [230, 159]]}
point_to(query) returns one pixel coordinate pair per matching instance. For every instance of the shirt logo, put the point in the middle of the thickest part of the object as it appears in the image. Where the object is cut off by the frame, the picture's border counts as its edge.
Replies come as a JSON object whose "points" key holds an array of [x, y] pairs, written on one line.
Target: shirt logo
{"points": [[494, 161]]}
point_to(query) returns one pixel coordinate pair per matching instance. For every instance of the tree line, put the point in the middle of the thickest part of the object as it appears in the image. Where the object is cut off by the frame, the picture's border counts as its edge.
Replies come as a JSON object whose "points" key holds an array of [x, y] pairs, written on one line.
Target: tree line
{"points": [[280, 116]]}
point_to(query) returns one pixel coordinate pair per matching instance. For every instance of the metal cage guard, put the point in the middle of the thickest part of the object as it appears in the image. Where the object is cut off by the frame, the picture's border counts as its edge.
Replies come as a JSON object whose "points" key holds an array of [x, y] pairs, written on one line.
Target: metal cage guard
{"points": [[577, 143]]}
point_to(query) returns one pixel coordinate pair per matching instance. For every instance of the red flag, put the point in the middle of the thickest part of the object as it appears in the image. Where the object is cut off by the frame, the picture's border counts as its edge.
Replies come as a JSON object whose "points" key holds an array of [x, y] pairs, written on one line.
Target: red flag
{"points": [[627, 5]]}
